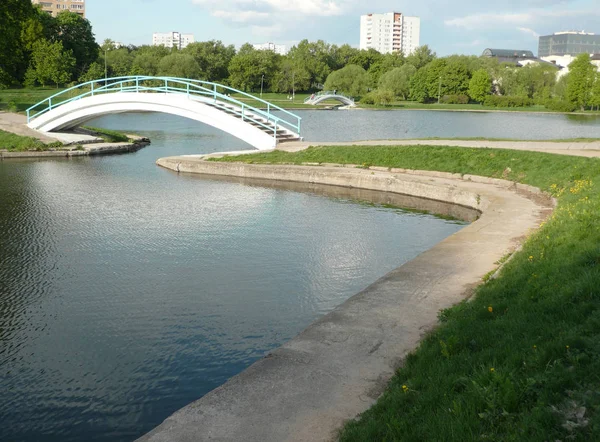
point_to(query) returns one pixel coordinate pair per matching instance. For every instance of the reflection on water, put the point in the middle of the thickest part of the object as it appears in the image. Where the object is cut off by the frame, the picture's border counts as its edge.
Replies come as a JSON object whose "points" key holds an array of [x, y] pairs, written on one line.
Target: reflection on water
{"points": [[128, 291]]}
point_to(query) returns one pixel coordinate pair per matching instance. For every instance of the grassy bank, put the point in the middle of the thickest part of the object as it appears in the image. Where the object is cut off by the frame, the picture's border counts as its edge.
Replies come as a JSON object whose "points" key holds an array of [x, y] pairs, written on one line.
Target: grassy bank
{"points": [[18, 143], [19, 100], [108, 135], [521, 360]]}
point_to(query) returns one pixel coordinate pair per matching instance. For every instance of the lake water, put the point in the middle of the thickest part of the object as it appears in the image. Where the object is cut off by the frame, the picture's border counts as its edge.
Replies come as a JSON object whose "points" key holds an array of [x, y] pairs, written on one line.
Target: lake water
{"points": [[128, 291]]}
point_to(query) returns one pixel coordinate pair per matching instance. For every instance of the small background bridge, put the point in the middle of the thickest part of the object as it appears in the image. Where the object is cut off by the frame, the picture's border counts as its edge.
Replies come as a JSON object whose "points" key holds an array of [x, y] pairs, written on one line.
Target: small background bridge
{"points": [[255, 121], [315, 99]]}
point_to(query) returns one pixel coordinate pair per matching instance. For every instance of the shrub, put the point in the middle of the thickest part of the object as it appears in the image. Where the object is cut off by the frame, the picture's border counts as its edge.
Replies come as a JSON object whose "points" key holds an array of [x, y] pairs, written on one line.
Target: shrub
{"points": [[370, 98], [507, 101], [558, 105]]}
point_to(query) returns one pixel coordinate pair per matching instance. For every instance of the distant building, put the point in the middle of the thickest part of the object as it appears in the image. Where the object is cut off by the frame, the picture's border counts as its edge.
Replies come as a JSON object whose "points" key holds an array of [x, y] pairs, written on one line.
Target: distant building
{"points": [[278, 49], [172, 39], [390, 32], [568, 43], [55, 6], [518, 57]]}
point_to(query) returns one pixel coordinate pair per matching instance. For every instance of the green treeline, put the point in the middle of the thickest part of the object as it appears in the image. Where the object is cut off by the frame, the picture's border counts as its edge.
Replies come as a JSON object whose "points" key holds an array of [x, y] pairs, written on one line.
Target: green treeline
{"points": [[37, 49]]}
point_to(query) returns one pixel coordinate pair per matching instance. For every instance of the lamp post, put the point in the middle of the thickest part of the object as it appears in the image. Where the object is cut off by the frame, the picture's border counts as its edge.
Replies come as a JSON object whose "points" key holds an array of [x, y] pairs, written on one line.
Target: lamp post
{"points": [[293, 85], [439, 89], [105, 68], [262, 80]]}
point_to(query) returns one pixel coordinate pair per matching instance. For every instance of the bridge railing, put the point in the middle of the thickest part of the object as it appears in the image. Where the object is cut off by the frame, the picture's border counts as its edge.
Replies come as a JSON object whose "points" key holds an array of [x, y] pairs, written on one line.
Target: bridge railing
{"points": [[218, 95]]}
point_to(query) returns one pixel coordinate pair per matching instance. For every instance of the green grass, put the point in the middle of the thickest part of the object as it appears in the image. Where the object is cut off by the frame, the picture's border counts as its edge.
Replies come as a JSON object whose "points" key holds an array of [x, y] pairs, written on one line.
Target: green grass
{"points": [[521, 360], [17, 143], [108, 135], [556, 140], [19, 100]]}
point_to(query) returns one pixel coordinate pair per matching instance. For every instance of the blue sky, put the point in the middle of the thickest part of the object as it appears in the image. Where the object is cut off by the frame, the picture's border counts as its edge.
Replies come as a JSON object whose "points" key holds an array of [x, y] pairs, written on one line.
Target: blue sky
{"points": [[448, 27]]}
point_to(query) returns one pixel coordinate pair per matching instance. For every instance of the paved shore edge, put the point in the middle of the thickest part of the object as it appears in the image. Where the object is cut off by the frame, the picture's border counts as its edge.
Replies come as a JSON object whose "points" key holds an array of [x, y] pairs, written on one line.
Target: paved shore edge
{"points": [[337, 367]]}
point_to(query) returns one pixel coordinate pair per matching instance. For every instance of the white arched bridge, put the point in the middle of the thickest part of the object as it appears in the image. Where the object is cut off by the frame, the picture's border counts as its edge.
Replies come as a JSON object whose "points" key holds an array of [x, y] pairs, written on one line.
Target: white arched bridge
{"points": [[253, 120], [315, 99]]}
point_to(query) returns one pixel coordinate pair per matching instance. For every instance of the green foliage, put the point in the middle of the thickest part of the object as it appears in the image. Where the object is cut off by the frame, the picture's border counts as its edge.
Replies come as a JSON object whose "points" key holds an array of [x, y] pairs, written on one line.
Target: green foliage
{"points": [[50, 63], [248, 66], [366, 58], [75, 33], [14, 142], [110, 136], [455, 76], [595, 96], [290, 77], [315, 57], [480, 85], [398, 80], [351, 80], [421, 57], [582, 74], [559, 105], [213, 58], [179, 65], [502, 101], [119, 62], [95, 72], [14, 19]]}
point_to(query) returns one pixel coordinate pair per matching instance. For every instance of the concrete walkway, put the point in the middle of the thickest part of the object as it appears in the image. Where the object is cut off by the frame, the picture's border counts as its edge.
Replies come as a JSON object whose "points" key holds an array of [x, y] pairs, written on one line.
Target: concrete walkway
{"points": [[584, 149], [17, 124], [337, 368]]}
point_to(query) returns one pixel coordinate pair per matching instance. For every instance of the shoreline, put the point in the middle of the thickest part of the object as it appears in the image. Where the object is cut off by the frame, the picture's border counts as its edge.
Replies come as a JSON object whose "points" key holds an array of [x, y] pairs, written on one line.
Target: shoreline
{"points": [[338, 366]]}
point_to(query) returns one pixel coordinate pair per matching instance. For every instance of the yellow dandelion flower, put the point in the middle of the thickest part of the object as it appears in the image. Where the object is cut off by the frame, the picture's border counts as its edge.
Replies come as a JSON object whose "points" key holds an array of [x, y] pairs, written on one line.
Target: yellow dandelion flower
{"points": [[492, 370], [490, 309], [405, 388]]}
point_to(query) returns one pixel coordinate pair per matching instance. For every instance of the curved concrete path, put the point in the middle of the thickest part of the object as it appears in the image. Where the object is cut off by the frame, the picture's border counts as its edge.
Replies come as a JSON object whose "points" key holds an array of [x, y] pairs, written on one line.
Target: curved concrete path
{"points": [[584, 149], [337, 368]]}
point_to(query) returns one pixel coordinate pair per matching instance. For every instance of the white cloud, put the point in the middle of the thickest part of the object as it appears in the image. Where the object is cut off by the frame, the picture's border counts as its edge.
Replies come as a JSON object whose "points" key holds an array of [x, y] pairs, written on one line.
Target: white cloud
{"points": [[241, 16], [530, 32]]}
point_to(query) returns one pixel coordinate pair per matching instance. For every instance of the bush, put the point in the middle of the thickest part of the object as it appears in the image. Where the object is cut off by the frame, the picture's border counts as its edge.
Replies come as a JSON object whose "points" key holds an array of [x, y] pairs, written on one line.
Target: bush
{"points": [[507, 101], [558, 105], [370, 98], [455, 99]]}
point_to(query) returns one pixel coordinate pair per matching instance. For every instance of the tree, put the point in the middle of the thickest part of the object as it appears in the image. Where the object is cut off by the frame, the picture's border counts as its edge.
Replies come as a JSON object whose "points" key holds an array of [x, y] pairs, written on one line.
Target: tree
{"points": [[119, 62], [352, 80], [582, 74], [75, 33], [13, 52], [455, 76], [397, 81], [50, 62], [385, 64], [341, 56], [213, 57], [419, 90], [290, 78], [179, 65], [315, 57], [595, 98], [95, 72], [365, 58], [421, 57], [146, 60], [480, 85], [248, 66]]}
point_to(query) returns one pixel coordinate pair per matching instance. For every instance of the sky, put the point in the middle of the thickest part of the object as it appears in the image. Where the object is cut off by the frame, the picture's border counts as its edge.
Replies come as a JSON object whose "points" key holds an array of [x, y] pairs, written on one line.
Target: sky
{"points": [[448, 27]]}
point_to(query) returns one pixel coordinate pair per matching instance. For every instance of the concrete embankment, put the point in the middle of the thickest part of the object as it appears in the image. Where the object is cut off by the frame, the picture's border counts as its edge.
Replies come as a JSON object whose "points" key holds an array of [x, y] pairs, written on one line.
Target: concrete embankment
{"points": [[336, 368], [85, 150]]}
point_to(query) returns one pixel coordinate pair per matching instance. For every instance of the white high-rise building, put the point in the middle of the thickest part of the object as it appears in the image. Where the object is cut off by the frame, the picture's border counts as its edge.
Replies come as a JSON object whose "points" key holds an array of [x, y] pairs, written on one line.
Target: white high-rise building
{"points": [[172, 39], [278, 49], [390, 32]]}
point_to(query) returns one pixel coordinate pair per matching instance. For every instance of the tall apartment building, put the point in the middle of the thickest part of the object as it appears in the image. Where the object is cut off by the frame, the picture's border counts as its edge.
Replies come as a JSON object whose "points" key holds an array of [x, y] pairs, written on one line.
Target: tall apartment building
{"points": [[172, 39], [278, 49], [568, 43], [390, 32], [55, 6]]}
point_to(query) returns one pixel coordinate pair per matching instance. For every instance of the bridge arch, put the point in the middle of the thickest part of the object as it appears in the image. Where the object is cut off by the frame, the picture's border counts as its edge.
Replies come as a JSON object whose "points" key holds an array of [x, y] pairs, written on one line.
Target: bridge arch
{"points": [[330, 95], [209, 103]]}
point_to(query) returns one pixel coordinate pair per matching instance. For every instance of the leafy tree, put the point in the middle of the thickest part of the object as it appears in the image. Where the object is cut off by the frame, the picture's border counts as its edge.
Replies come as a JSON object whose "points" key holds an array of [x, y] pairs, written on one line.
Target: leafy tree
{"points": [[75, 33], [146, 59], [582, 74], [13, 56], [213, 57], [341, 56], [315, 57], [436, 78], [248, 66], [95, 72], [179, 65], [290, 78], [50, 62], [385, 64], [455, 76], [595, 98], [397, 81], [419, 90], [352, 80], [366, 58], [480, 85], [119, 62], [421, 57]]}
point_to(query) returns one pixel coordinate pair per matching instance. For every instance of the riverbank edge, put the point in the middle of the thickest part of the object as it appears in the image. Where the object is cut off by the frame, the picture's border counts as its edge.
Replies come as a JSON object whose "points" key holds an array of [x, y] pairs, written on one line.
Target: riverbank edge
{"points": [[338, 366], [87, 150]]}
